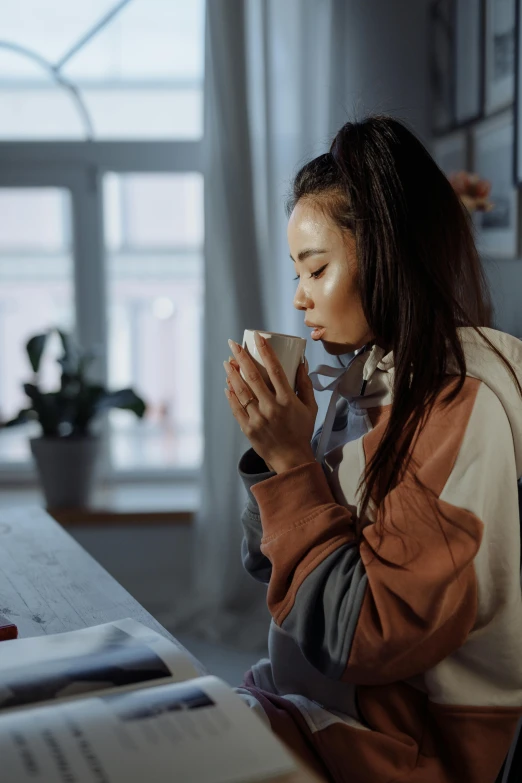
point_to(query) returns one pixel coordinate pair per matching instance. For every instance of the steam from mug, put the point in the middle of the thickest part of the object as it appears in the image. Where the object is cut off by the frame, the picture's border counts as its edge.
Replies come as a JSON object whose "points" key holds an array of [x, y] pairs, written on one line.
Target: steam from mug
{"points": [[288, 348]]}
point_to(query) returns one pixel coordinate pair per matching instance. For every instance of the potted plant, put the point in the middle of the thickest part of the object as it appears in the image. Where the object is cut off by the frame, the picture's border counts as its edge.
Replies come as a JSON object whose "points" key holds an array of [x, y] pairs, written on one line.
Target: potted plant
{"points": [[66, 452]]}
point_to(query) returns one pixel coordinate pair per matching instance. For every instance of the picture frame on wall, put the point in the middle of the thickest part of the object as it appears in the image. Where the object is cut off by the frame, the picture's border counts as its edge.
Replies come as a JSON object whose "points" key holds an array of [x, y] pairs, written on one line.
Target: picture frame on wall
{"points": [[497, 231], [518, 95], [469, 60], [499, 54], [451, 152], [442, 64]]}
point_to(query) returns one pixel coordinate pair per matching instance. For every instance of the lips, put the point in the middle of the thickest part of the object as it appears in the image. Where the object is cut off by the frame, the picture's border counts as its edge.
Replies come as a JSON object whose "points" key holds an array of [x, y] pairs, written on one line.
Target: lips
{"points": [[317, 331]]}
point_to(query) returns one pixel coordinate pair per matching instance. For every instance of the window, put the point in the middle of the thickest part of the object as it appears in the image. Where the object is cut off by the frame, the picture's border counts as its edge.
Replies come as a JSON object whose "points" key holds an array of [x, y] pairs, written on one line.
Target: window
{"points": [[116, 254], [154, 239], [36, 293], [123, 70]]}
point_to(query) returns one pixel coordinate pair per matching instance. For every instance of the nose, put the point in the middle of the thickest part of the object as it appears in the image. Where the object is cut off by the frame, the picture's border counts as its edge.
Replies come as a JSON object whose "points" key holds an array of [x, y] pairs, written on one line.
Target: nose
{"points": [[301, 299]]}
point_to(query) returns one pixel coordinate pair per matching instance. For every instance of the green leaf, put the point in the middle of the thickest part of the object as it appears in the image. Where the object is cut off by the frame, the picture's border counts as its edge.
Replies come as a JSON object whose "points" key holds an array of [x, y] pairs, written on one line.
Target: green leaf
{"points": [[33, 392], [70, 359], [22, 417], [35, 348], [86, 406], [84, 362], [125, 399], [70, 409], [67, 341], [48, 408]]}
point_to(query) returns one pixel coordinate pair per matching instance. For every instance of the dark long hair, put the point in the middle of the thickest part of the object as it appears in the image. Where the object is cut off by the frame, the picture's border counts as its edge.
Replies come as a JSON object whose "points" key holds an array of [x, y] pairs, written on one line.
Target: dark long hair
{"points": [[419, 274]]}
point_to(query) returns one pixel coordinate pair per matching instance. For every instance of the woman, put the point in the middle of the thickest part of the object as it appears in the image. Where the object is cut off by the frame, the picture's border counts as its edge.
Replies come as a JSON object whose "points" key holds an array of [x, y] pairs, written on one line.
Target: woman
{"points": [[393, 561]]}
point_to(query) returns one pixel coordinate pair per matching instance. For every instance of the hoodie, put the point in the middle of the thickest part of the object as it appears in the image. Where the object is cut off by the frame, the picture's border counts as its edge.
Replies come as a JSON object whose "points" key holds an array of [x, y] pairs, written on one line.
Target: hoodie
{"points": [[400, 661]]}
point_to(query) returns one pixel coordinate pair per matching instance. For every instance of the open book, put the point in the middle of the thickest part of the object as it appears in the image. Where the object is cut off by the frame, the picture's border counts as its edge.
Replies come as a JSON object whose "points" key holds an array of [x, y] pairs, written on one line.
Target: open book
{"points": [[118, 702]]}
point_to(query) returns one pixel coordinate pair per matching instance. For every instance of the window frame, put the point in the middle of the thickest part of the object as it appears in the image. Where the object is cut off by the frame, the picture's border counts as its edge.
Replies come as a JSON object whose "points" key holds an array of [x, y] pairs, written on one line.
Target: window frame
{"points": [[79, 166]]}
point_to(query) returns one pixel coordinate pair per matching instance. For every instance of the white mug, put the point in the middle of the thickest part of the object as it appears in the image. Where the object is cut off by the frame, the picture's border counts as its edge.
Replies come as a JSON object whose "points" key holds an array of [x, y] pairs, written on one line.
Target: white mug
{"points": [[288, 349]]}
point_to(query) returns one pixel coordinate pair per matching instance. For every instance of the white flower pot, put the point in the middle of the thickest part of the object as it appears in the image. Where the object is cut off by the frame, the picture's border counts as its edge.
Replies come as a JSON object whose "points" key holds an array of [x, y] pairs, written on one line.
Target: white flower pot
{"points": [[66, 467]]}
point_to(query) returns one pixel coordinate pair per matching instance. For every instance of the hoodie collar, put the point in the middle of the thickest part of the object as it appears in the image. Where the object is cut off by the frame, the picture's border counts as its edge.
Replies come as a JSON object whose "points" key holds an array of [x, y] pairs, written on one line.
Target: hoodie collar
{"points": [[359, 383]]}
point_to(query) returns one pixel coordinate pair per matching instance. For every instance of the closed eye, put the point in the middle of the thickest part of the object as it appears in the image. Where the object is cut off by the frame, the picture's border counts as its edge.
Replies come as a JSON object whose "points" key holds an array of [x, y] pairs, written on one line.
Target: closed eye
{"points": [[315, 275]]}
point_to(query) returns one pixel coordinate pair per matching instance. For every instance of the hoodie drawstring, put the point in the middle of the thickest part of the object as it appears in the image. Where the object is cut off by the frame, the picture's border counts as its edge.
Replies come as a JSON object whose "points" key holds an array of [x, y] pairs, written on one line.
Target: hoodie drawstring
{"points": [[370, 366]]}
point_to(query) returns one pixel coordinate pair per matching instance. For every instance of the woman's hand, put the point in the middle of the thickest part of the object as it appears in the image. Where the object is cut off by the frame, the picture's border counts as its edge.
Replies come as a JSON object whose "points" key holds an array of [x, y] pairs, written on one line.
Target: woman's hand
{"points": [[279, 424], [235, 365], [472, 190]]}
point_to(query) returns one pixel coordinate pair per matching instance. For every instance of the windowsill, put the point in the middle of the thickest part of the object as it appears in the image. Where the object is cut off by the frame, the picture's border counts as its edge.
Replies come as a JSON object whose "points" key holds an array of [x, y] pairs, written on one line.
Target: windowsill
{"points": [[143, 452], [121, 503]]}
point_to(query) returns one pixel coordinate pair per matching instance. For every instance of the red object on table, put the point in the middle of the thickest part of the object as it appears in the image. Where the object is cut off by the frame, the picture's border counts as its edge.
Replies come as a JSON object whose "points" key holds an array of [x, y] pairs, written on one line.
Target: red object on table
{"points": [[8, 630]]}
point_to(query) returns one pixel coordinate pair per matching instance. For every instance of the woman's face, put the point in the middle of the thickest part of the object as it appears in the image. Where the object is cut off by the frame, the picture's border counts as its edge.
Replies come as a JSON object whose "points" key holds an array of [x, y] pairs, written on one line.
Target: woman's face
{"points": [[325, 260]]}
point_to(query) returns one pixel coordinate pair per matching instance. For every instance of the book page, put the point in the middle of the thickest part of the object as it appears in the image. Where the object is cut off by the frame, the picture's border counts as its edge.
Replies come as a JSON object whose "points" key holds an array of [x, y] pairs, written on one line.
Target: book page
{"points": [[121, 654], [192, 732]]}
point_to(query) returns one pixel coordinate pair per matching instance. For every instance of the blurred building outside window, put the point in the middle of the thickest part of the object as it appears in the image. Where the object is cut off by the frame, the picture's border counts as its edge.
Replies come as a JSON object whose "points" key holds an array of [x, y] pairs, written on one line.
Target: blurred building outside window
{"points": [[36, 292], [124, 103], [154, 236]]}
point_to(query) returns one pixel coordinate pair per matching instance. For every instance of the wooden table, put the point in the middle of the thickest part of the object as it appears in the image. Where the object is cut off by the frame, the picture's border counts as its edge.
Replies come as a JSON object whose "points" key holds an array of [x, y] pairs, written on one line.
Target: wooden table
{"points": [[50, 584]]}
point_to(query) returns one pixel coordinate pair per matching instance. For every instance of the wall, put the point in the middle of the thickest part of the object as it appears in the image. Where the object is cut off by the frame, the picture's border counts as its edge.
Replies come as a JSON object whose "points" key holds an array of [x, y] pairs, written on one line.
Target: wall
{"points": [[386, 68], [505, 279]]}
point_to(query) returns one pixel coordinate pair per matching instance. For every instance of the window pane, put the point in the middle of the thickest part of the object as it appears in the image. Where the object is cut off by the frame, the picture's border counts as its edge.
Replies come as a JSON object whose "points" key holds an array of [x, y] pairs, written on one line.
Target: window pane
{"points": [[149, 39], [49, 27], [36, 293], [33, 219], [39, 114], [151, 113], [155, 308], [15, 66], [155, 211], [140, 75]]}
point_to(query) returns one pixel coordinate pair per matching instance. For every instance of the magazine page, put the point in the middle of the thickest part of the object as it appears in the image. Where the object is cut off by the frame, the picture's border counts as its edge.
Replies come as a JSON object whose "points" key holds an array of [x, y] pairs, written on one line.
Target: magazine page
{"points": [[121, 654], [192, 732]]}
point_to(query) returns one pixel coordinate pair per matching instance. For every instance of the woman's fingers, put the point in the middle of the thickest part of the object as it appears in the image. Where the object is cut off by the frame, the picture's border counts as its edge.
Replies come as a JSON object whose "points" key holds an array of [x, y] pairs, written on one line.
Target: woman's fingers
{"points": [[272, 365], [242, 390], [250, 373], [236, 406], [237, 368], [239, 413], [233, 362], [274, 368]]}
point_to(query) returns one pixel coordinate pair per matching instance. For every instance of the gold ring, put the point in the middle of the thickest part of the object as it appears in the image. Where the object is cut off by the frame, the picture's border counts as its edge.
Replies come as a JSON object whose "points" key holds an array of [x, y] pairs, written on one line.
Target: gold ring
{"points": [[247, 403]]}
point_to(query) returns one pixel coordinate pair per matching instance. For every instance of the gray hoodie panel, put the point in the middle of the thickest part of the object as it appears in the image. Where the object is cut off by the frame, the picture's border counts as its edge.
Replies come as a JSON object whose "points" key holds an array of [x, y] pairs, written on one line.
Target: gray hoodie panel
{"points": [[326, 610], [252, 470]]}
